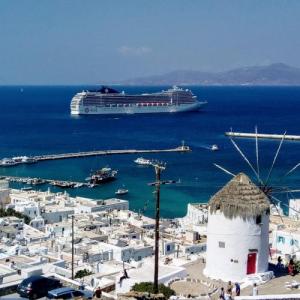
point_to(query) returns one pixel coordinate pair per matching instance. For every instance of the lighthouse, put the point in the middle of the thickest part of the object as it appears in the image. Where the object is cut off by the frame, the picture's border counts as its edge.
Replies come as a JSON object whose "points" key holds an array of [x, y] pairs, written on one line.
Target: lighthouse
{"points": [[237, 231]]}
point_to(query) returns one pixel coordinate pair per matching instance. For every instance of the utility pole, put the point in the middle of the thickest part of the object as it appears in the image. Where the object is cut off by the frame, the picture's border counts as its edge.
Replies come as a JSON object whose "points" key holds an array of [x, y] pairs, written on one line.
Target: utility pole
{"points": [[158, 169], [72, 247]]}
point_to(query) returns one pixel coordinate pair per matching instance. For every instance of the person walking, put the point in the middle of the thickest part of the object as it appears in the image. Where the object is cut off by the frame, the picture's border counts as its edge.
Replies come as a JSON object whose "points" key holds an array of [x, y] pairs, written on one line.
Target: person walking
{"points": [[237, 289], [291, 268], [97, 293], [222, 294], [254, 290], [229, 289]]}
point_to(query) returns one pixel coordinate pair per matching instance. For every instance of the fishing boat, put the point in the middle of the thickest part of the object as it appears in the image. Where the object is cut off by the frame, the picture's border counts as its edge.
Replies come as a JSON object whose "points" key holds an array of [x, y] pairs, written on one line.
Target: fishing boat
{"points": [[214, 147], [143, 161], [121, 192], [103, 175]]}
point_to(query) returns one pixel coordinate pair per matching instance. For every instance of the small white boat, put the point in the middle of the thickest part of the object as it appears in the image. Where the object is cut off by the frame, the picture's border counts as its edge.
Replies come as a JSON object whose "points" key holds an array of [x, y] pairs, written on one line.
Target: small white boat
{"points": [[78, 185], [143, 161], [6, 162], [214, 147], [121, 192]]}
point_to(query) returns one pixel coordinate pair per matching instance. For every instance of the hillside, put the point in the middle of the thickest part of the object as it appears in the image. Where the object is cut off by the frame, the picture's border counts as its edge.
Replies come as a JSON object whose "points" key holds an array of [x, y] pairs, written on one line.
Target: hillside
{"points": [[274, 74]]}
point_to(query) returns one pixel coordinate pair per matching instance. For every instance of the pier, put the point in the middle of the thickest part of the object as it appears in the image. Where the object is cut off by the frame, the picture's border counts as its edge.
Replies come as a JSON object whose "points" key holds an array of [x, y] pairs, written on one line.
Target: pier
{"points": [[263, 136], [39, 181], [107, 152], [34, 159]]}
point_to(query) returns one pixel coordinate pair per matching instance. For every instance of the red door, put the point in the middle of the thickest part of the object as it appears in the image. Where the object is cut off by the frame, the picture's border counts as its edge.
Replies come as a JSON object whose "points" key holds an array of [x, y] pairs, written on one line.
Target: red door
{"points": [[251, 263]]}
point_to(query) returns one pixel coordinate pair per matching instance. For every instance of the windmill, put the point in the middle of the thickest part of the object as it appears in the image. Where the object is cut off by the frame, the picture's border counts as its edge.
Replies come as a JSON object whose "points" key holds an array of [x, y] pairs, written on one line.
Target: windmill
{"points": [[271, 191], [264, 184]]}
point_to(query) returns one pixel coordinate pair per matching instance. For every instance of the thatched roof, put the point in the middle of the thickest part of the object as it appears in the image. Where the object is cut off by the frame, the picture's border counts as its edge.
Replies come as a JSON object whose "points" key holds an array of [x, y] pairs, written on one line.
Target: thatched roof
{"points": [[240, 198]]}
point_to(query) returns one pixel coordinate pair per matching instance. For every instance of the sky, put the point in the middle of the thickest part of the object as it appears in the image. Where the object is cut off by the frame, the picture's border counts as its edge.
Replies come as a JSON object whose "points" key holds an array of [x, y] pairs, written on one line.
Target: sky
{"points": [[91, 41]]}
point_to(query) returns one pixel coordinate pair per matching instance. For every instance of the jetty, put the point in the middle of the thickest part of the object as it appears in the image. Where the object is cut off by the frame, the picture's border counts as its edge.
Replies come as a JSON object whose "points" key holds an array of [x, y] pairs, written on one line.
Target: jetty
{"points": [[34, 159], [263, 136], [39, 181], [107, 152]]}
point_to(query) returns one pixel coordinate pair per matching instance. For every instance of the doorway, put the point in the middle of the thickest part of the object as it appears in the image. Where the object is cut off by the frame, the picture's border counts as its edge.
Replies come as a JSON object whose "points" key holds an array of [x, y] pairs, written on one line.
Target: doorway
{"points": [[251, 263]]}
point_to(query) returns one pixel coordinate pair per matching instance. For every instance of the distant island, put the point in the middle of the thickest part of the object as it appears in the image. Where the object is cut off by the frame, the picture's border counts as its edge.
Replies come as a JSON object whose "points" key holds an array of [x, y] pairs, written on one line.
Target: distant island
{"points": [[274, 74]]}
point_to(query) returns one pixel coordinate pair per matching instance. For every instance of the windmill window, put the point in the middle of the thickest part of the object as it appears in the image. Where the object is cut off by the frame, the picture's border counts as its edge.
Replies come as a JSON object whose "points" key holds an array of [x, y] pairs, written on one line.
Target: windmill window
{"points": [[258, 219], [221, 244]]}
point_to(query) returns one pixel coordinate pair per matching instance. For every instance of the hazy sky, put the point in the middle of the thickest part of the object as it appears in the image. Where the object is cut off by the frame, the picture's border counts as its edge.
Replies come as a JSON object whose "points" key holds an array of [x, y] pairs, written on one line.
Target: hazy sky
{"points": [[86, 41]]}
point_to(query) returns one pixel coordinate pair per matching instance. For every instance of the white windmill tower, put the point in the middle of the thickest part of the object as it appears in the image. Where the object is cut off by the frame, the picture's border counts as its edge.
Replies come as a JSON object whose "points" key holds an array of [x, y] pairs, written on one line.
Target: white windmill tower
{"points": [[237, 231], [239, 214]]}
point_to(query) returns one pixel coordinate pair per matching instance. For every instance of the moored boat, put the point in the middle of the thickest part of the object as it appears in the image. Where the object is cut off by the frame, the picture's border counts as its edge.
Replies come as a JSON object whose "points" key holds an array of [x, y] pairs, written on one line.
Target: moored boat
{"points": [[214, 147], [143, 161], [121, 192], [103, 175]]}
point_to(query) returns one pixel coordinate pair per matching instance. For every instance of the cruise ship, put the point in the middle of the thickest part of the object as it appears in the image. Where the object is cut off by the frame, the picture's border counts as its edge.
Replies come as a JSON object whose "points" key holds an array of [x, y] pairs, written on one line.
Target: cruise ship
{"points": [[110, 101]]}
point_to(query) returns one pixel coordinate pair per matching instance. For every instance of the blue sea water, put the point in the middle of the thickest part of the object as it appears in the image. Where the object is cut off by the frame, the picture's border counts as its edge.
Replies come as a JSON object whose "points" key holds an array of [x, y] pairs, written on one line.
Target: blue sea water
{"points": [[36, 120]]}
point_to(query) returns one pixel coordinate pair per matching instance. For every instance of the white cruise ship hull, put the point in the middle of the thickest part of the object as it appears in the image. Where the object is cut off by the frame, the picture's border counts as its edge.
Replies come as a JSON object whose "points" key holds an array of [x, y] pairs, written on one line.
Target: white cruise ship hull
{"points": [[96, 110], [110, 101]]}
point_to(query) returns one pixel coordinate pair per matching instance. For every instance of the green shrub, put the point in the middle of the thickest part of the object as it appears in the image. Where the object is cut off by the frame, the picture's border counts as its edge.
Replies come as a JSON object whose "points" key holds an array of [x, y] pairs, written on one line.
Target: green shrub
{"points": [[83, 273], [149, 288], [12, 213]]}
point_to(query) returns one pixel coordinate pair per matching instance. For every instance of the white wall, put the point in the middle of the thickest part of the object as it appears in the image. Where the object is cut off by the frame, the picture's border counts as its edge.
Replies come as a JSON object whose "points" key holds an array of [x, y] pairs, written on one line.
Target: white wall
{"points": [[294, 206], [286, 242], [4, 197], [239, 236], [56, 216]]}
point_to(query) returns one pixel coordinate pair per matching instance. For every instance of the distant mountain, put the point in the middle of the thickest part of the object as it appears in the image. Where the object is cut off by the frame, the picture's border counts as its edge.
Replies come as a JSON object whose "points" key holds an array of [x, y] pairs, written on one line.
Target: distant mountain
{"points": [[274, 74]]}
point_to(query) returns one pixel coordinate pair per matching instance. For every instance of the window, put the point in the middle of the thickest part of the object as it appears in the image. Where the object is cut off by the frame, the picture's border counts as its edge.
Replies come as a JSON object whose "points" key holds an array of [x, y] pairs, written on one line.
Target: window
{"points": [[258, 219], [221, 244], [168, 247], [291, 242], [281, 239]]}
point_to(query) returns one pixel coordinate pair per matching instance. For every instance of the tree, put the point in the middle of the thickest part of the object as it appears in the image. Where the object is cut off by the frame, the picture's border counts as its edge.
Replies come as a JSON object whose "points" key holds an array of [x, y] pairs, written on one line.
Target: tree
{"points": [[149, 288], [12, 213], [83, 273]]}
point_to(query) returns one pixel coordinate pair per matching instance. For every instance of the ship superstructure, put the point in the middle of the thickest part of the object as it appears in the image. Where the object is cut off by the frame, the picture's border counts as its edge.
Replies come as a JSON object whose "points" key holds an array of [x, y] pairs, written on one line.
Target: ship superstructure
{"points": [[110, 101]]}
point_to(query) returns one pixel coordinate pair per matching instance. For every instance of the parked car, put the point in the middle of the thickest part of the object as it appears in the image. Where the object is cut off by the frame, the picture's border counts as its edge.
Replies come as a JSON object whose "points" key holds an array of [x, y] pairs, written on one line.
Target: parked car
{"points": [[69, 293], [35, 287]]}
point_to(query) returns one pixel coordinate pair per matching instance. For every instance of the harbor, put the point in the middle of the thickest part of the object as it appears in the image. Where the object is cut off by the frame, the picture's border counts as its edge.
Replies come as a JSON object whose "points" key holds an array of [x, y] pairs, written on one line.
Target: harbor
{"points": [[263, 136], [8, 162], [40, 181]]}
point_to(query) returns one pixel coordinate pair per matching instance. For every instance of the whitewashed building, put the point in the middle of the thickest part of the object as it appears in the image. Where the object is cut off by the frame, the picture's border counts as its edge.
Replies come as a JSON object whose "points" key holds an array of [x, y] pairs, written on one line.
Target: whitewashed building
{"points": [[4, 193], [237, 231], [294, 208], [86, 205], [286, 242]]}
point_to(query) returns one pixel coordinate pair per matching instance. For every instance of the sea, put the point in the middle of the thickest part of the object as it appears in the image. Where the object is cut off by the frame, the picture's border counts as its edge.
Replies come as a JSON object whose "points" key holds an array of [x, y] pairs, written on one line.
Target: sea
{"points": [[36, 120]]}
